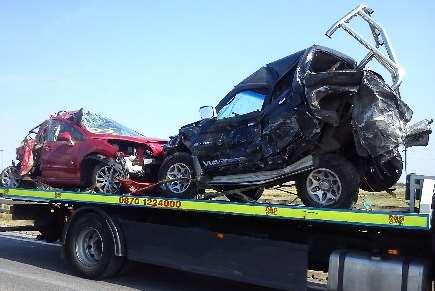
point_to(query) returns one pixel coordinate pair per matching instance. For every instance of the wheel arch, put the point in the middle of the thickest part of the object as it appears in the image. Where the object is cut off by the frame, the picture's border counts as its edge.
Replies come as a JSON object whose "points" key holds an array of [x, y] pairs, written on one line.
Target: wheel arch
{"points": [[176, 145], [120, 248], [344, 170], [87, 165]]}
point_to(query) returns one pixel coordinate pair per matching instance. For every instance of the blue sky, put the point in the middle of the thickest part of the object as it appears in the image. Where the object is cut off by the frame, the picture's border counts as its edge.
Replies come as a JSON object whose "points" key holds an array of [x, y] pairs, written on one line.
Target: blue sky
{"points": [[151, 64]]}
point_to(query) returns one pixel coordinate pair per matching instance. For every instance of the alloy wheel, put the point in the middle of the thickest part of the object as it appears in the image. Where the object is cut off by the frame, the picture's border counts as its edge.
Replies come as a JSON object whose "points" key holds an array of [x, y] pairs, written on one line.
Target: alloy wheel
{"points": [[8, 177], [324, 186], [182, 175], [107, 179]]}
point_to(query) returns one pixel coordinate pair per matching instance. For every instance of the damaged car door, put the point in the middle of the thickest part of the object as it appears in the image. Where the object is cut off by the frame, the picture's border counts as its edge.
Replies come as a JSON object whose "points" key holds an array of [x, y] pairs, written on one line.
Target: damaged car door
{"points": [[59, 155], [280, 126], [231, 138]]}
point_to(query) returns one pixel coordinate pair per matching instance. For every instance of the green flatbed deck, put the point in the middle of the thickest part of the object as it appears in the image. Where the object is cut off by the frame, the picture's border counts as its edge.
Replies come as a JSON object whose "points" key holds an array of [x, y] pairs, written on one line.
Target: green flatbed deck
{"points": [[384, 219]]}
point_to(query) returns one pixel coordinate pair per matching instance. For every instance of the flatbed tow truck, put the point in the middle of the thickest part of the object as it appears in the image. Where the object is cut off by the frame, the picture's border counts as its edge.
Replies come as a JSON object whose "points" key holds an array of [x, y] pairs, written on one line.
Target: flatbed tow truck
{"points": [[266, 244], [260, 243]]}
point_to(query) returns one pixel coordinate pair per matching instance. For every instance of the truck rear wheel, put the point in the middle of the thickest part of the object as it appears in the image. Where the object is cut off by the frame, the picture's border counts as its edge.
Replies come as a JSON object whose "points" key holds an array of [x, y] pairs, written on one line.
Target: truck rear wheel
{"points": [[90, 248], [333, 184]]}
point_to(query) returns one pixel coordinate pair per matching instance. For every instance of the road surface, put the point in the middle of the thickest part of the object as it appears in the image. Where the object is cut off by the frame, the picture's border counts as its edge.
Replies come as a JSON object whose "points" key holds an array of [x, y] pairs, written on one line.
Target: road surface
{"points": [[26, 264]]}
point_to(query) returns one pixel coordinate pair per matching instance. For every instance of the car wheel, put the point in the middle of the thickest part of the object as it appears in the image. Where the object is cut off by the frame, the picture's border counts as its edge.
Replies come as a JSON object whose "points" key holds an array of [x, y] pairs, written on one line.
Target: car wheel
{"points": [[333, 184], [178, 168], [391, 172], [90, 249], [9, 177], [105, 179], [251, 195]]}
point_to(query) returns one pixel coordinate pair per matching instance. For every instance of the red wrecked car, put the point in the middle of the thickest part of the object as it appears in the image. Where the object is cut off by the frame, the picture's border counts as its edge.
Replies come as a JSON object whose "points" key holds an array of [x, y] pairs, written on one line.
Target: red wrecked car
{"points": [[85, 151]]}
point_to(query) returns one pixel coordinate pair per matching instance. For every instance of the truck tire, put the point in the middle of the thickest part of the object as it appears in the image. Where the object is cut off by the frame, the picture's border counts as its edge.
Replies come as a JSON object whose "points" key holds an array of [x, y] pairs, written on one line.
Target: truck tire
{"points": [[89, 248], [252, 194], [333, 184], [178, 166]]}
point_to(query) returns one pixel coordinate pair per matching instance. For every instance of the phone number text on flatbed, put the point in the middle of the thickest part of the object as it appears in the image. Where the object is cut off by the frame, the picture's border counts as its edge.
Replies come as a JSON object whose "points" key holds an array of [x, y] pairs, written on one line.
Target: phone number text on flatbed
{"points": [[151, 202]]}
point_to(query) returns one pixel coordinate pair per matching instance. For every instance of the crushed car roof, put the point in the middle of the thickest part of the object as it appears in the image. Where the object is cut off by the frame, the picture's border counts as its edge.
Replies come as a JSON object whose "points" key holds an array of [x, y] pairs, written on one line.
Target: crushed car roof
{"points": [[273, 72], [269, 75]]}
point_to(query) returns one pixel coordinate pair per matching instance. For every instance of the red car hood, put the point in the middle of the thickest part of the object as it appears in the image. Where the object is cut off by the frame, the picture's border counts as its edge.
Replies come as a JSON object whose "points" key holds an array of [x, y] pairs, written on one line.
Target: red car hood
{"points": [[142, 140]]}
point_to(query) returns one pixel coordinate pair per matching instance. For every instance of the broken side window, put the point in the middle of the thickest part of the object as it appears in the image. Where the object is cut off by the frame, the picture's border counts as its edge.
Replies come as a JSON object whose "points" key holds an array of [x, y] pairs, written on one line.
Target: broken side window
{"points": [[56, 127], [40, 136], [75, 134], [52, 130]]}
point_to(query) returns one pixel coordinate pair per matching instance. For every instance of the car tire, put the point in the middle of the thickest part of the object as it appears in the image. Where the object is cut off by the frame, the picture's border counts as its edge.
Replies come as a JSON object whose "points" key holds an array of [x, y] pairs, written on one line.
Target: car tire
{"points": [[373, 182], [90, 248], [178, 165], [9, 177], [106, 173], [333, 184], [252, 195]]}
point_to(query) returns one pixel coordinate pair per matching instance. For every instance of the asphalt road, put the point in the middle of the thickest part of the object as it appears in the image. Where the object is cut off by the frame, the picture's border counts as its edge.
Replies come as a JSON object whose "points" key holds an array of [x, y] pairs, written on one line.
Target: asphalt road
{"points": [[31, 265]]}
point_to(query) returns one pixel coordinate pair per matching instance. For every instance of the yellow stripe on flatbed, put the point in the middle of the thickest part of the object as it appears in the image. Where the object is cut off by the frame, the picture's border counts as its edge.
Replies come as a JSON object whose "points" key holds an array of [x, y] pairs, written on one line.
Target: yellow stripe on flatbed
{"points": [[378, 218]]}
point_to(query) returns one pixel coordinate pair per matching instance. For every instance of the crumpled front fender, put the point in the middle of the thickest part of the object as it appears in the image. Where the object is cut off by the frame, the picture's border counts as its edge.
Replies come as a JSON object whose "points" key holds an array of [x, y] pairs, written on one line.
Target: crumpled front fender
{"points": [[26, 157]]}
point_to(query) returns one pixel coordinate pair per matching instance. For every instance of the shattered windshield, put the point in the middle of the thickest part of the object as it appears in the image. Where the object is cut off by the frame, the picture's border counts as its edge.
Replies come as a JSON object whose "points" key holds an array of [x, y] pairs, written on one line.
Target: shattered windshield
{"points": [[244, 102], [96, 123]]}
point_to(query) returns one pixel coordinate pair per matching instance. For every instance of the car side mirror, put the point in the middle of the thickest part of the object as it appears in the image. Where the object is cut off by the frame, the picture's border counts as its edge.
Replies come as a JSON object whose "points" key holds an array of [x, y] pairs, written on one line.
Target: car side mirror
{"points": [[207, 112], [65, 136]]}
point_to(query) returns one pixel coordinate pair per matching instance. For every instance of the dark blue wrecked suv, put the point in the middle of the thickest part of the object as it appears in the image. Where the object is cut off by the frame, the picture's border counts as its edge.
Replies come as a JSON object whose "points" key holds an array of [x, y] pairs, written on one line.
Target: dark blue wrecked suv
{"points": [[315, 117]]}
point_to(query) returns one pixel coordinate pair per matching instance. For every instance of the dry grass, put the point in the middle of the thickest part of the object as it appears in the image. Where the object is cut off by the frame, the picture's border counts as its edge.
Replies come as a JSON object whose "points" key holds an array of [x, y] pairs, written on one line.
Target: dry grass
{"points": [[13, 223], [383, 200], [6, 217], [394, 200]]}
